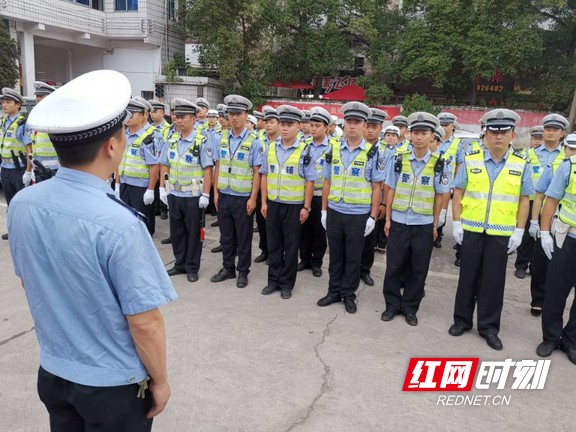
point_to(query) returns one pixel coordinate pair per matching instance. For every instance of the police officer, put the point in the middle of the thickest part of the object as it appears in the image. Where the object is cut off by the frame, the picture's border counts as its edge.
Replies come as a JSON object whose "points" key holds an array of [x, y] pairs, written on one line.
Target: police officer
{"points": [[288, 177], [313, 241], [305, 125], [187, 159], [547, 156], [260, 122], [157, 116], [251, 123], [138, 171], [267, 136], [536, 136], [101, 334], [42, 148], [238, 182], [372, 135], [490, 209], [401, 122], [417, 180], [350, 199], [202, 114], [222, 115], [14, 146], [561, 250]]}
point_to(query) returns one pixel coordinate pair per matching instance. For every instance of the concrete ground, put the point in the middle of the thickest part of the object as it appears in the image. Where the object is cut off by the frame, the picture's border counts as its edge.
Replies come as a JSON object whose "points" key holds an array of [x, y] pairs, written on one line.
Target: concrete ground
{"points": [[240, 361]]}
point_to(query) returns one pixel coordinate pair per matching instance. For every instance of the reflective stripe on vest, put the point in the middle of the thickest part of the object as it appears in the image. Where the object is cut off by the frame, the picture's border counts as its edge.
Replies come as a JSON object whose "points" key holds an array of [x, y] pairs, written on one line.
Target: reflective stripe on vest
{"points": [[9, 140], [452, 150], [235, 170], [492, 207], [415, 192], [403, 147], [350, 184], [185, 167], [284, 182], [537, 167], [133, 165], [42, 146], [567, 212]]}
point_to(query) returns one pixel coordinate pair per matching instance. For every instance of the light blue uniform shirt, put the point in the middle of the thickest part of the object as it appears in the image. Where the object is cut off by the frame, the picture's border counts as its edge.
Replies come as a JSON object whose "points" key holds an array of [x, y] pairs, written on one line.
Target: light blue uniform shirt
{"points": [[316, 151], [206, 160], [255, 155], [199, 122], [86, 261], [441, 185], [148, 152], [445, 145], [493, 169], [307, 172], [374, 173], [559, 183], [21, 136]]}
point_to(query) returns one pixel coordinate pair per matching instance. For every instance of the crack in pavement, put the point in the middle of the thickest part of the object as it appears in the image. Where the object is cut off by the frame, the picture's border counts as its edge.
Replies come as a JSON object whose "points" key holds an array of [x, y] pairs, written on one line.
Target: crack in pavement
{"points": [[326, 378], [16, 336]]}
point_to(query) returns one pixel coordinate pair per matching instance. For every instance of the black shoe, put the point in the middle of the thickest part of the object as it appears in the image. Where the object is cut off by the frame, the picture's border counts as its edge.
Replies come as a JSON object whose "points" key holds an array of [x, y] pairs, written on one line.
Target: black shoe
{"points": [[223, 275], [192, 277], [215, 223], [217, 249], [286, 293], [4, 236], [328, 300], [261, 258], [303, 266], [458, 329], [389, 315], [570, 352], [167, 240], [175, 271], [494, 342], [242, 281], [457, 262], [438, 243], [316, 271], [520, 273], [267, 290], [367, 279], [411, 319], [350, 305], [535, 311], [546, 348], [163, 215]]}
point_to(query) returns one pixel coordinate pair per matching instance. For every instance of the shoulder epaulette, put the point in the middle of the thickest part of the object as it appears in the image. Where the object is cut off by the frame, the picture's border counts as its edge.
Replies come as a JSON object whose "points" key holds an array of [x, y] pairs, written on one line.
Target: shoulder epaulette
{"points": [[372, 151], [132, 210]]}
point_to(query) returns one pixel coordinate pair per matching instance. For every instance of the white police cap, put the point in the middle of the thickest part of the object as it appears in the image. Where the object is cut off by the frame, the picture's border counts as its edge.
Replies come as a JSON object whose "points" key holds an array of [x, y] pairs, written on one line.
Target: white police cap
{"points": [[222, 109], [8, 93], [270, 113], [439, 133], [156, 105], [570, 140], [447, 118], [320, 114], [252, 119], [423, 121], [85, 108], [201, 102], [41, 88], [334, 119], [356, 110], [377, 116], [212, 113], [288, 113], [400, 120], [237, 103], [138, 104], [392, 129], [500, 119], [537, 131], [183, 107], [306, 117], [259, 115], [555, 121]]}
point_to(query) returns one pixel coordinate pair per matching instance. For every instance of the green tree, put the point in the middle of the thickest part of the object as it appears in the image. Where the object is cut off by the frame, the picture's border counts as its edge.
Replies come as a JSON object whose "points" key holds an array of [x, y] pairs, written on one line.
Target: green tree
{"points": [[8, 59], [418, 102]]}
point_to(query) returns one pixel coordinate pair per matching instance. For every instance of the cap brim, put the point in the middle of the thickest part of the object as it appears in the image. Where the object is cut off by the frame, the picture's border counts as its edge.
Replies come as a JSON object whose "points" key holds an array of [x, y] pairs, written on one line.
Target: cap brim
{"points": [[503, 127], [354, 117]]}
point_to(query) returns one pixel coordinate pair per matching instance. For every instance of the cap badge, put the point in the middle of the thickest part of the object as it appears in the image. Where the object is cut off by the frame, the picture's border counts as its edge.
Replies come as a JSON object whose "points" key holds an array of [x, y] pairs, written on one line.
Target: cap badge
{"points": [[500, 115], [420, 117]]}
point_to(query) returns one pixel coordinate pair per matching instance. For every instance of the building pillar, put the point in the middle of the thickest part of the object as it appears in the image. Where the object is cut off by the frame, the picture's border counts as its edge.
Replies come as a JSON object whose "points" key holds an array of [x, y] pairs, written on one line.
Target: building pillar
{"points": [[28, 63]]}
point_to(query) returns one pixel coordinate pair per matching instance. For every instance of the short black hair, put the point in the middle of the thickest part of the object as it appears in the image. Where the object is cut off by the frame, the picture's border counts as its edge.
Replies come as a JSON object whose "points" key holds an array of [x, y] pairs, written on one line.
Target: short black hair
{"points": [[79, 153]]}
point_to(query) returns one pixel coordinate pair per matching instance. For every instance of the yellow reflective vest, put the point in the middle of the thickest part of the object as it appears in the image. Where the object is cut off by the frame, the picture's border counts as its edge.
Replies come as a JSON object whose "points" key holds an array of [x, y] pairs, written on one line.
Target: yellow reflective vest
{"points": [[185, 167], [42, 146], [415, 192], [349, 184], [284, 182], [133, 165], [8, 138], [538, 168], [567, 212], [234, 168]]}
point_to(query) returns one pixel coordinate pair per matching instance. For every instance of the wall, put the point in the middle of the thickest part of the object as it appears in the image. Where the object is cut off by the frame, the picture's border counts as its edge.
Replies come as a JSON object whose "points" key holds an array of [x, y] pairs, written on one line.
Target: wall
{"points": [[51, 63], [140, 65], [86, 59]]}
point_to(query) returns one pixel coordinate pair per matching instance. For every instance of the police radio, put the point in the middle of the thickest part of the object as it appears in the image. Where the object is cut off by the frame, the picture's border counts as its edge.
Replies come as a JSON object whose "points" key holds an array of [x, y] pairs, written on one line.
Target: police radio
{"points": [[149, 139], [440, 163], [195, 151], [307, 158], [398, 164]]}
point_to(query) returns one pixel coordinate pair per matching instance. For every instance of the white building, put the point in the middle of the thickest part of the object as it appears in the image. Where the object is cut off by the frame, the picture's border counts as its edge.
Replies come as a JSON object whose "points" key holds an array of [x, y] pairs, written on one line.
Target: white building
{"points": [[62, 39]]}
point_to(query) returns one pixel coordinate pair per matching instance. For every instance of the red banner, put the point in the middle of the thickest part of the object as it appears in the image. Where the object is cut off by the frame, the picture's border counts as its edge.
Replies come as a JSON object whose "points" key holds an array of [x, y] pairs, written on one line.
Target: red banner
{"points": [[332, 108]]}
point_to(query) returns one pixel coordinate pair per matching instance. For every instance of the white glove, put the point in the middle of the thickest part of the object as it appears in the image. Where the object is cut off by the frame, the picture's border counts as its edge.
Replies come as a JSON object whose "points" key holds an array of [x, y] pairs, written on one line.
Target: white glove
{"points": [[534, 229], [163, 195], [203, 201], [442, 218], [515, 240], [323, 217], [457, 232], [370, 224], [27, 178], [117, 190], [148, 196], [547, 243]]}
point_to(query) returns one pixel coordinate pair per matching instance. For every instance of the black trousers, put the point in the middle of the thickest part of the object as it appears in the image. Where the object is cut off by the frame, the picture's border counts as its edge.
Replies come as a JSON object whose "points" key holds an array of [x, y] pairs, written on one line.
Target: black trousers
{"points": [[185, 232], [78, 408], [313, 241], [283, 230], [11, 182], [345, 240], [236, 230], [134, 197], [159, 206], [539, 271], [408, 259], [368, 253], [560, 280], [482, 279], [524, 253], [261, 223], [381, 239]]}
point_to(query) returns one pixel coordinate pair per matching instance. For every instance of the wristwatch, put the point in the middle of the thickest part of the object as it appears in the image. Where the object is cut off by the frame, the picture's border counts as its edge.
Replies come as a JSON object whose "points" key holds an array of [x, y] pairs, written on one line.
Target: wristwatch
{"points": [[309, 209]]}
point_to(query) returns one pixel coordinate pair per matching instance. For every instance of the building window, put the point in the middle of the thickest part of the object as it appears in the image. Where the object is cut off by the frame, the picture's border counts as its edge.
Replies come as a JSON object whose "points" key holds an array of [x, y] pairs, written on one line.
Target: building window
{"points": [[146, 94], [126, 5], [171, 9], [94, 4]]}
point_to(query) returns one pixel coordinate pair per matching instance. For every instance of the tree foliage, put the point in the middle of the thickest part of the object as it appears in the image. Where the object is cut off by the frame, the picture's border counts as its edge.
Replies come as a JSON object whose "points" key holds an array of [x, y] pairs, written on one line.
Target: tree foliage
{"points": [[8, 59]]}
